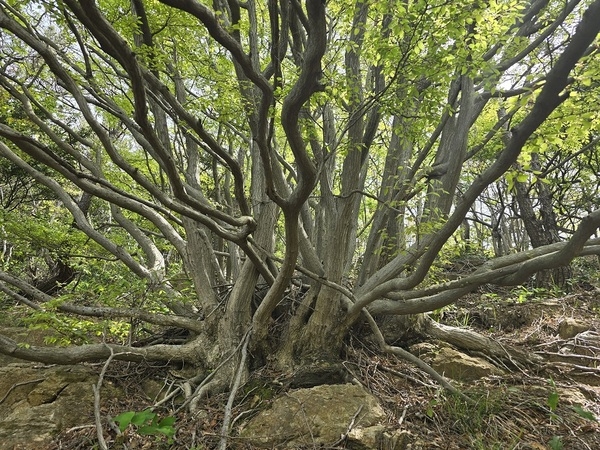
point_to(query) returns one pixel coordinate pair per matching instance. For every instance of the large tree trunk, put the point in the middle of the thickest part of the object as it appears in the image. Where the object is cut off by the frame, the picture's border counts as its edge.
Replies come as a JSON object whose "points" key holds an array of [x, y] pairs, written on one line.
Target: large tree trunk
{"points": [[384, 242], [542, 229]]}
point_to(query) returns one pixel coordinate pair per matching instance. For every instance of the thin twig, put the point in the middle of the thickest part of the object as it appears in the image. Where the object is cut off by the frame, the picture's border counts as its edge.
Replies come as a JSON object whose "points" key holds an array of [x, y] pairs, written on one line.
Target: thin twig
{"points": [[96, 388], [80, 427], [350, 427], [568, 355], [190, 400], [406, 377], [234, 389], [170, 394], [401, 419], [576, 366]]}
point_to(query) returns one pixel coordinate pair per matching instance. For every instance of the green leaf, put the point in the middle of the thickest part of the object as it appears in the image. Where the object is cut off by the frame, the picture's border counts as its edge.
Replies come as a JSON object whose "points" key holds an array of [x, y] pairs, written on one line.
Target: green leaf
{"points": [[167, 422], [584, 413], [151, 430], [522, 177], [147, 430], [142, 417], [552, 400], [167, 431], [556, 443], [124, 419]]}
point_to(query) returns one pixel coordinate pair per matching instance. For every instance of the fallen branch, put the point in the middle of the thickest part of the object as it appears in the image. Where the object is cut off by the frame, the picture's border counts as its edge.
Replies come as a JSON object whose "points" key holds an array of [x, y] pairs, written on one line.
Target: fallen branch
{"points": [[591, 370], [593, 359]]}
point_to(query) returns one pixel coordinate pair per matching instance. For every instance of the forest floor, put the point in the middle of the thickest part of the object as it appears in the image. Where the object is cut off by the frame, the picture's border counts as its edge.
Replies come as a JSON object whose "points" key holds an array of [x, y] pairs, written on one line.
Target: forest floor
{"points": [[550, 405]]}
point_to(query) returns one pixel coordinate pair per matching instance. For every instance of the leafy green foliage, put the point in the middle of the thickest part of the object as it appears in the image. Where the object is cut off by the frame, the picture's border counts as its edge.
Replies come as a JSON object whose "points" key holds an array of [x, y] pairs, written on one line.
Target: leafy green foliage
{"points": [[588, 415], [552, 400], [522, 294], [147, 423], [556, 443]]}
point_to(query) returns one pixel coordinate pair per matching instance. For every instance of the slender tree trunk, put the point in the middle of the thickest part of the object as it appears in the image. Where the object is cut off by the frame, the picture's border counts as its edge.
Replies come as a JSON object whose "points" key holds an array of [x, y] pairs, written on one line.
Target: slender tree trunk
{"points": [[542, 229]]}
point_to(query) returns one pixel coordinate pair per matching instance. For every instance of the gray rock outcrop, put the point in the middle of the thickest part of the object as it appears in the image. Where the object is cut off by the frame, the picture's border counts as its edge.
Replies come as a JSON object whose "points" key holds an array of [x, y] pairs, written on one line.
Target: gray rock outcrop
{"points": [[317, 416], [37, 402]]}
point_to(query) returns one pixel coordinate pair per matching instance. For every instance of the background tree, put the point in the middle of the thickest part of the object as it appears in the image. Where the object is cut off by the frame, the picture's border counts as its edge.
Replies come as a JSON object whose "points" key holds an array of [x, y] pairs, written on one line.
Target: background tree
{"points": [[191, 153]]}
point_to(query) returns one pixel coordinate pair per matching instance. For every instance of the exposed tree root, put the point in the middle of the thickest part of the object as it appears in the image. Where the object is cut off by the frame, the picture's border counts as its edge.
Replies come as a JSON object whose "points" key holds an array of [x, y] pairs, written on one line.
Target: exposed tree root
{"points": [[470, 340], [219, 380], [411, 358], [213, 387]]}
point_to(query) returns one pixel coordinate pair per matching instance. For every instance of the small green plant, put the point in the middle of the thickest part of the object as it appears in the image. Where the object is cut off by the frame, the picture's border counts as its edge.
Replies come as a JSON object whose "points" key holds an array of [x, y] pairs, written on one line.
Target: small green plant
{"points": [[465, 320], [552, 402], [523, 293], [556, 443], [588, 415], [468, 419], [147, 423], [430, 412], [493, 296]]}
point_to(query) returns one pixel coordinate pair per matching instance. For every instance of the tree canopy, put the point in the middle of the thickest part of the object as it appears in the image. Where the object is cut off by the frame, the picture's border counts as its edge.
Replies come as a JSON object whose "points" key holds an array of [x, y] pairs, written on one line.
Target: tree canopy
{"points": [[270, 174]]}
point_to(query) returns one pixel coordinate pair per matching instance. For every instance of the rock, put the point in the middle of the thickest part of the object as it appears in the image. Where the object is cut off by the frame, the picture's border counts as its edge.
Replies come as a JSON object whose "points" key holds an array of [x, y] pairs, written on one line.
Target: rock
{"points": [[460, 366], [423, 348], [38, 402], [378, 437], [315, 416], [366, 438], [153, 389], [398, 440], [571, 396], [569, 328]]}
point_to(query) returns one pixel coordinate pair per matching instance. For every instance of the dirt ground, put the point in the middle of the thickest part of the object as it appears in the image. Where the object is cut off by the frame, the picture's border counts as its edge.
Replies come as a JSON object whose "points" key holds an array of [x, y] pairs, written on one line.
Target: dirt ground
{"points": [[553, 405]]}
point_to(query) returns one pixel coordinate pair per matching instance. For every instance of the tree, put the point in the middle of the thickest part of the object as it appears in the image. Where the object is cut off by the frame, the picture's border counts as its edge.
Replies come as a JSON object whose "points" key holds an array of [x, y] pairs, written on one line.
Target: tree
{"points": [[335, 146]]}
